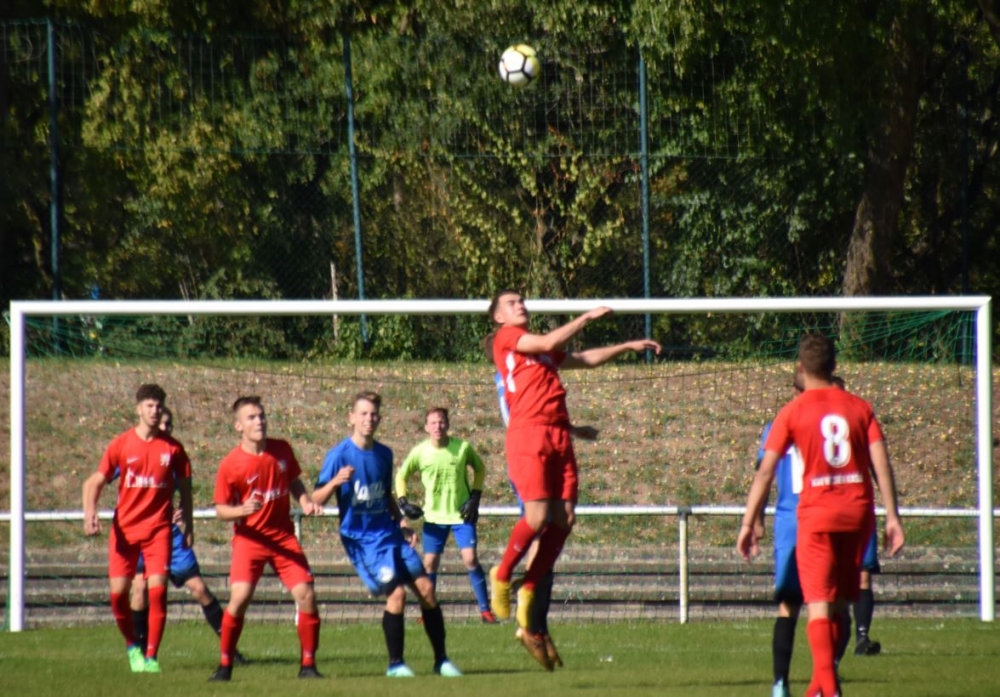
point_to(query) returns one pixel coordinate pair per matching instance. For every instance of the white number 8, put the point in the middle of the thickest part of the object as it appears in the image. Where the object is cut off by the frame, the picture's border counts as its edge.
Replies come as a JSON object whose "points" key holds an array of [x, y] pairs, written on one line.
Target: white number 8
{"points": [[836, 446]]}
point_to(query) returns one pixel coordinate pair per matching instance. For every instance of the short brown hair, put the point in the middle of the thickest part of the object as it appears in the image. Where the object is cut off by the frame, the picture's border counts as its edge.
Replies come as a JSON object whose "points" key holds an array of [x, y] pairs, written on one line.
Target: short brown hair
{"points": [[818, 355], [248, 399], [150, 390], [437, 410], [368, 396], [495, 302]]}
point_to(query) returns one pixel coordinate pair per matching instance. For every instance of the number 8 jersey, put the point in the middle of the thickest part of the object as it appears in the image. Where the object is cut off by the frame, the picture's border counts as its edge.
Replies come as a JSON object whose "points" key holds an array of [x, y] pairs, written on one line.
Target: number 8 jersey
{"points": [[832, 429]]}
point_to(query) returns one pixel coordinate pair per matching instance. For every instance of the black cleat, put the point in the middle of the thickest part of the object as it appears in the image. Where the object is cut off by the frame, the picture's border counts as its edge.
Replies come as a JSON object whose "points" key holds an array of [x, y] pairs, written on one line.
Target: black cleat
{"points": [[866, 647], [307, 672], [222, 674], [240, 660]]}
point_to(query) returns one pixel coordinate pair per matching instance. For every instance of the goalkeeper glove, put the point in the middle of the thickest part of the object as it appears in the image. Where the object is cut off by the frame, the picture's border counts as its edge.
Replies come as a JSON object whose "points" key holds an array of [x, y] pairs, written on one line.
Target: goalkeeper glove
{"points": [[410, 510], [470, 509]]}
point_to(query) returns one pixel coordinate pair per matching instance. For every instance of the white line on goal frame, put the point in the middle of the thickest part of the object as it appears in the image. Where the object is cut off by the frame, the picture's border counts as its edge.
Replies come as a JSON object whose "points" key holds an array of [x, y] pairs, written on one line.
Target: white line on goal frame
{"points": [[20, 310]]}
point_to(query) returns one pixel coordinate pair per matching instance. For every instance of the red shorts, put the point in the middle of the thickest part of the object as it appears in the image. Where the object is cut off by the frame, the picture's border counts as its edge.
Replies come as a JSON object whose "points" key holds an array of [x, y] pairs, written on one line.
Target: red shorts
{"points": [[830, 564], [123, 553], [541, 463], [281, 550]]}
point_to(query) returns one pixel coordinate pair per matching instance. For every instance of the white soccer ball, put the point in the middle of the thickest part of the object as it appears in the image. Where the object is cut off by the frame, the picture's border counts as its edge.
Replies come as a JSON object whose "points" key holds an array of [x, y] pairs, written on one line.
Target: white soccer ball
{"points": [[519, 65]]}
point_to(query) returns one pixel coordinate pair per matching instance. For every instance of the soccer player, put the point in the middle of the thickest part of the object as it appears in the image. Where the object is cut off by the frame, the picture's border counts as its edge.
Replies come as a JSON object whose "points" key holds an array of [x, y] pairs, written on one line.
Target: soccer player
{"points": [[451, 505], [252, 489], [538, 621], [152, 464], [184, 573], [358, 470], [539, 449], [840, 441], [787, 590]]}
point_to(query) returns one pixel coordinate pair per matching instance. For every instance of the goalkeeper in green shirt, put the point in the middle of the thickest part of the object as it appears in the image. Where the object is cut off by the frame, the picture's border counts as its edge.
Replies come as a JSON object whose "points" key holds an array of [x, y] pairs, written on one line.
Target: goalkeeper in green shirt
{"points": [[450, 503]]}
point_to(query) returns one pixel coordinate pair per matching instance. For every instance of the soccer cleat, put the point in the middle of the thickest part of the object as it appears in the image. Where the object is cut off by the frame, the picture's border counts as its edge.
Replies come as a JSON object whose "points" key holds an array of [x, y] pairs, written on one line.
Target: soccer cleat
{"points": [[447, 669], [400, 670], [152, 666], [535, 645], [306, 672], [136, 661], [780, 689], [499, 596], [222, 674], [488, 617], [525, 599], [550, 649], [866, 647], [240, 660]]}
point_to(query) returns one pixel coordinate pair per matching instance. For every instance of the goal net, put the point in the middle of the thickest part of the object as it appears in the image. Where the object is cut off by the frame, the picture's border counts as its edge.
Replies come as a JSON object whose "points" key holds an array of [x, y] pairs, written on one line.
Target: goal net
{"points": [[661, 488]]}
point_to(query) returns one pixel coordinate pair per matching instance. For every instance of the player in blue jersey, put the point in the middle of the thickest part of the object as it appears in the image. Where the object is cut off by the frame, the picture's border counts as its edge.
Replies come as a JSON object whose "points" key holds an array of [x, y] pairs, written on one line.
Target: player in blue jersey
{"points": [[358, 471], [184, 573], [864, 606], [787, 591]]}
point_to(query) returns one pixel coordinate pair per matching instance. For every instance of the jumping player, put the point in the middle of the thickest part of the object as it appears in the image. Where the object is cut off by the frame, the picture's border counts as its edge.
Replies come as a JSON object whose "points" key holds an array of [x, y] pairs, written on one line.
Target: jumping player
{"points": [[538, 447], [358, 470], [451, 505], [252, 489], [152, 463], [840, 441]]}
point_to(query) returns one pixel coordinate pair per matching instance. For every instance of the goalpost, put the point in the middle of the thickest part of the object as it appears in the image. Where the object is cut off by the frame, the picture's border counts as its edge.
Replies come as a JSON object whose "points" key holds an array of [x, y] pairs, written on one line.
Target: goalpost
{"points": [[981, 398]]}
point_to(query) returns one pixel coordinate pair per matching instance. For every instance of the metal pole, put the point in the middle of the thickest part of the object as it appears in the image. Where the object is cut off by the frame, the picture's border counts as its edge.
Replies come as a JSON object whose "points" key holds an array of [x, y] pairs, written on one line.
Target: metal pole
{"points": [[17, 571], [682, 524], [644, 168], [984, 448], [355, 187], [55, 184]]}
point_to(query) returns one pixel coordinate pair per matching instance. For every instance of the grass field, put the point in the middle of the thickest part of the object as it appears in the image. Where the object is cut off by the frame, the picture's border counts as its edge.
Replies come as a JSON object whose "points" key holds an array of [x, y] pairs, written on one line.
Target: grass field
{"points": [[921, 657]]}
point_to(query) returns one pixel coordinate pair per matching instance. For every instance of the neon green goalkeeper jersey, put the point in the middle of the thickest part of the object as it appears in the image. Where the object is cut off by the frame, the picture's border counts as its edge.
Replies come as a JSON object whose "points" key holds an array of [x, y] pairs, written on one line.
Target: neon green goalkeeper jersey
{"points": [[443, 472]]}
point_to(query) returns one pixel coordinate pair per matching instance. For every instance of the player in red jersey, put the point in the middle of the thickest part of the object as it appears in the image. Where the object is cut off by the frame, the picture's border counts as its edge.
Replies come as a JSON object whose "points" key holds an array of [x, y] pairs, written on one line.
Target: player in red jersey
{"points": [[252, 489], [840, 442], [540, 458], [151, 464]]}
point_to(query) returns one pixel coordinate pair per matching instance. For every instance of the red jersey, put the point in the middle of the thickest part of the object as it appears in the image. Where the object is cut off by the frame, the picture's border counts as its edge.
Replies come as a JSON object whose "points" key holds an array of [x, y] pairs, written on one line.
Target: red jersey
{"points": [[243, 475], [532, 388], [148, 470], [832, 430]]}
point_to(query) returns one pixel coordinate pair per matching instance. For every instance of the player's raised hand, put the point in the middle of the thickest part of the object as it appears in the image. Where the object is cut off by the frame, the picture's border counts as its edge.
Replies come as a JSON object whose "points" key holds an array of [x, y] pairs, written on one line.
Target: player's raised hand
{"points": [[343, 476], [598, 312], [645, 345], [254, 503]]}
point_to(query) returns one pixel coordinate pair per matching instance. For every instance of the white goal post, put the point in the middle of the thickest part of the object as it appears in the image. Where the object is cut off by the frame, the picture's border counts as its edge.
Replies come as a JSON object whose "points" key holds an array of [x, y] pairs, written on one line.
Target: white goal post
{"points": [[21, 310]]}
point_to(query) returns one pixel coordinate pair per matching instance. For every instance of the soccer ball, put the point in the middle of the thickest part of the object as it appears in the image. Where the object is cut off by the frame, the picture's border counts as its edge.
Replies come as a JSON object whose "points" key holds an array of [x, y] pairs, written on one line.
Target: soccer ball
{"points": [[519, 65]]}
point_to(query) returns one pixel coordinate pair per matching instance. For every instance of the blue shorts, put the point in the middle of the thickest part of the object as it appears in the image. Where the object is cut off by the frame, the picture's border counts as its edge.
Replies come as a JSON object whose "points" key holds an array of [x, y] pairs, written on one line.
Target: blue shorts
{"points": [[869, 562], [436, 535], [183, 562], [384, 563], [787, 588]]}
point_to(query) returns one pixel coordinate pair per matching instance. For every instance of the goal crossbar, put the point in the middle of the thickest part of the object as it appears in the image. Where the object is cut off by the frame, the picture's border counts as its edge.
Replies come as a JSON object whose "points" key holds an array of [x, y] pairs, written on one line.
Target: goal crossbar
{"points": [[21, 310]]}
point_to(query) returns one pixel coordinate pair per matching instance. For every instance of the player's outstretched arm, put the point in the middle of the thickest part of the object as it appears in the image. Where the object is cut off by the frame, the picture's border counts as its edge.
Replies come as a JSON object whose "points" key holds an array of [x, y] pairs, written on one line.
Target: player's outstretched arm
{"points": [[591, 358], [559, 337], [894, 536], [746, 542], [92, 488]]}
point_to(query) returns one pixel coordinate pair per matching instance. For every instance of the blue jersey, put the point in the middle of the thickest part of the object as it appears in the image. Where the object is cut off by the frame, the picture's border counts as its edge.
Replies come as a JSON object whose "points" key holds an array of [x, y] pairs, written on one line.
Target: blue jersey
{"points": [[788, 479], [364, 512], [501, 394]]}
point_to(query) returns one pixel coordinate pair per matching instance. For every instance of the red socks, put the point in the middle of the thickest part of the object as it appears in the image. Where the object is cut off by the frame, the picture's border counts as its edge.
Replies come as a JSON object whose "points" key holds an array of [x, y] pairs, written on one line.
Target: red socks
{"points": [[517, 546], [308, 637], [550, 546], [157, 618], [822, 644], [123, 617], [231, 628]]}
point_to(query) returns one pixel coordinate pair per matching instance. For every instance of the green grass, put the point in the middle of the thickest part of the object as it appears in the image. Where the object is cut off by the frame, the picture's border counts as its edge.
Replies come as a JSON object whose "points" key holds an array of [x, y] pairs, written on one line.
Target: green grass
{"points": [[921, 657]]}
